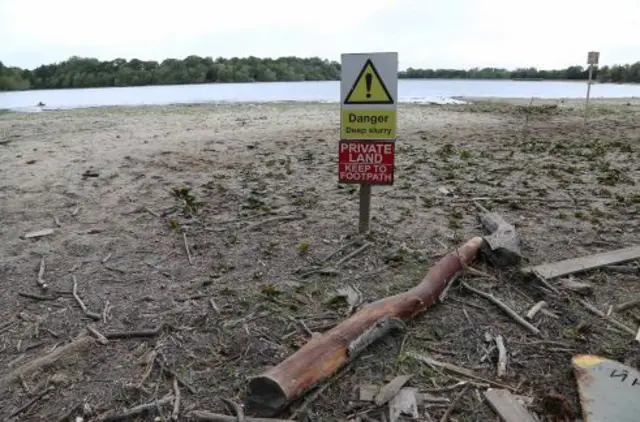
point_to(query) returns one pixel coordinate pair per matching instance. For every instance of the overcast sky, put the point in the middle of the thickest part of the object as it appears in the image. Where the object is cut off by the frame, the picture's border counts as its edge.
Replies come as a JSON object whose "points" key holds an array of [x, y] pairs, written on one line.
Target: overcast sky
{"points": [[425, 33]]}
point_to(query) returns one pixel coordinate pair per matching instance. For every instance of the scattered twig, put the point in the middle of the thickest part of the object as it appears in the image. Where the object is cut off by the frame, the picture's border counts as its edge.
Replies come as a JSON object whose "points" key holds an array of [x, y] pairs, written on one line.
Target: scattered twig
{"points": [[31, 402], [98, 335], [39, 233], [214, 306], [105, 312], [388, 391], [535, 309], [35, 296], [153, 213], [186, 247], [84, 308], [450, 283], [337, 251], [237, 409], [176, 402], [601, 314], [638, 335], [106, 258], [626, 305], [456, 369], [504, 307], [352, 254], [274, 219], [172, 374], [201, 415], [55, 220], [454, 403], [502, 356], [134, 411], [134, 334], [75, 212], [41, 281]]}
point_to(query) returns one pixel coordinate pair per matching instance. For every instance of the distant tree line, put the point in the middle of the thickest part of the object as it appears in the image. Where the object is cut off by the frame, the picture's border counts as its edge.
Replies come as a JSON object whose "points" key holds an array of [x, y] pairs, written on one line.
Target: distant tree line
{"points": [[80, 72]]}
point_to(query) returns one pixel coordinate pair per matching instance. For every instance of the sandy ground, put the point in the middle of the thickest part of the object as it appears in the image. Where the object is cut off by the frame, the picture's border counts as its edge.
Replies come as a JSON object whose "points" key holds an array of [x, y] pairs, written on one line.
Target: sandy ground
{"points": [[571, 188]]}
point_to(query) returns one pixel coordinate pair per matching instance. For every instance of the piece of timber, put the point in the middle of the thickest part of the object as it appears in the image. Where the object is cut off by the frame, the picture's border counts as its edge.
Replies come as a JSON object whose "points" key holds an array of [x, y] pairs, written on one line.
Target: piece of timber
{"points": [[590, 262], [507, 406], [271, 392]]}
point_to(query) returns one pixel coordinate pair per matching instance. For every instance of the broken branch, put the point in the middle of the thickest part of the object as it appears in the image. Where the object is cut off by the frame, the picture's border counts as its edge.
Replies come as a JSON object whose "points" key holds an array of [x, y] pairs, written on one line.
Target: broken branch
{"points": [[84, 308], [535, 309], [504, 308], [627, 305], [455, 369], [502, 356], [453, 404], [41, 281], [134, 411], [186, 247], [602, 315], [176, 403], [132, 334], [272, 391]]}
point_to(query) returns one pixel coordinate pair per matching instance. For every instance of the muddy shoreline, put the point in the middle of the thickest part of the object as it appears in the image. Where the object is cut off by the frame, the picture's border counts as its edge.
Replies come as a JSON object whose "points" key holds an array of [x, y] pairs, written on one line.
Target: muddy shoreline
{"points": [[125, 188]]}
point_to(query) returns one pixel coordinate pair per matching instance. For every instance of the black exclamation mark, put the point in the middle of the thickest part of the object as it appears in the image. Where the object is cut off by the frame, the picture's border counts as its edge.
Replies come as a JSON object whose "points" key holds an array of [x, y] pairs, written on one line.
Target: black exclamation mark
{"points": [[368, 78]]}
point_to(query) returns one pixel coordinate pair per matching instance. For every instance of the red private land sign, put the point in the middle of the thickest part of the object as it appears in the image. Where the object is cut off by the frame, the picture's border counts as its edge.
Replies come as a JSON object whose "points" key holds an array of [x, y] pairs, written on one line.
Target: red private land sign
{"points": [[367, 162]]}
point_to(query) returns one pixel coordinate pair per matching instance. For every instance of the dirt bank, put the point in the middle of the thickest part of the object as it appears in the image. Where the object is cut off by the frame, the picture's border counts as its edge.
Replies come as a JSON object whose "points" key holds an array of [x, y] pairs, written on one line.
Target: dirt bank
{"points": [[108, 181]]}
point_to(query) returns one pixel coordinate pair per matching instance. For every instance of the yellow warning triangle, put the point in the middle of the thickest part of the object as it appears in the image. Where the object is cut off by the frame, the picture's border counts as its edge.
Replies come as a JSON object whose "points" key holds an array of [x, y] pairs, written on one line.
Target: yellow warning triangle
{"points": [[368, 88]]}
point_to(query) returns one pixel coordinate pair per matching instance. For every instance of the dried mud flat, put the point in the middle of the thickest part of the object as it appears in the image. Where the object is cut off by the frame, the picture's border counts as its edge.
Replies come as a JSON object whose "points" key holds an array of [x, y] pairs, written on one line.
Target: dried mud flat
{"points": [[111, 184]]}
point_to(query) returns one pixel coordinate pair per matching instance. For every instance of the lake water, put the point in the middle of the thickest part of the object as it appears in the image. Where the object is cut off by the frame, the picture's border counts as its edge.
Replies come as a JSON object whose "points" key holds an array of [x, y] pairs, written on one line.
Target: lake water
{"points": [[418, 91]]}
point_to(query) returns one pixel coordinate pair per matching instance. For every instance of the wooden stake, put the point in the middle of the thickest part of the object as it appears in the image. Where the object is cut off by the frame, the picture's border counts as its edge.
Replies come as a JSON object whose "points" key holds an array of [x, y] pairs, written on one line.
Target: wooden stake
{"points": [[365, 208]]}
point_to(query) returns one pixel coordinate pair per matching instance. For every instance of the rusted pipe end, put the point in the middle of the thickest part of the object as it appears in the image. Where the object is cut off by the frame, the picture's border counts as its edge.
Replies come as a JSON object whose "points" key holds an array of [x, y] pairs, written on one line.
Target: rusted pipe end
{"points": [[265, 397]]}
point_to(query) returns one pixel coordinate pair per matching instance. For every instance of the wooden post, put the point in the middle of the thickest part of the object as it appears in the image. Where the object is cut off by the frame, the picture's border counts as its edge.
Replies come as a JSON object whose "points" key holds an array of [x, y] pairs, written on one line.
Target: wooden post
{"points": [[586, 108], [365, 208]]}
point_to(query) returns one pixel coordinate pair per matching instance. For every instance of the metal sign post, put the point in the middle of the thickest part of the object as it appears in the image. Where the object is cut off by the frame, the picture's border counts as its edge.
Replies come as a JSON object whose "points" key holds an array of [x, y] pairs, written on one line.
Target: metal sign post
{"points": [[368, 117]]}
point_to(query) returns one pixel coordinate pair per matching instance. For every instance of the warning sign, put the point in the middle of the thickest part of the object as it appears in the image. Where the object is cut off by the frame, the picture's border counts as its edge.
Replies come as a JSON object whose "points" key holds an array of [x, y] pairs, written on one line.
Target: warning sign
{"points": [[369, 88], [366, 162], [369, 96], [369, 79], [368, 124]]}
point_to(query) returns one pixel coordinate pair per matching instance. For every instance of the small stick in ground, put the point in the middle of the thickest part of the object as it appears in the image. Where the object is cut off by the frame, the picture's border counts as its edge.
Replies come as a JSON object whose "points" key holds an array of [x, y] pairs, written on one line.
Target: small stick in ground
{"points": [[601, 314], [176, 402], [214, 306], [502, 356], [236, 409], [504, 307], [535, 309], [337, 251], [453, 404], [32, 401], [84, 308], [101, 338], [35, 296], [626, 305], [134, 334], [106, 258], [41, 281], [75, 212], [165, 368], [203, 416], [153, 213], [352, 254], [274, 219], [456, 369], [105, 312], [134, 411], [55, 220], [186, 247], [451, 282]]}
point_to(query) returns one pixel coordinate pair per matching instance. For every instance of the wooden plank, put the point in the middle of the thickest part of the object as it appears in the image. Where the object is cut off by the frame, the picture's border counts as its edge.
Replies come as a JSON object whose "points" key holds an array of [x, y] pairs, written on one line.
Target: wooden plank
{"points": [[506, 406], [590, 262]]}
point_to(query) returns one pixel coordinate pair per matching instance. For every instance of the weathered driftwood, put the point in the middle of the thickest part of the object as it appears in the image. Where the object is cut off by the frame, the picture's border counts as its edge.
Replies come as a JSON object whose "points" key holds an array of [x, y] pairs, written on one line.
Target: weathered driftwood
{"points": [[275, 389]]}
